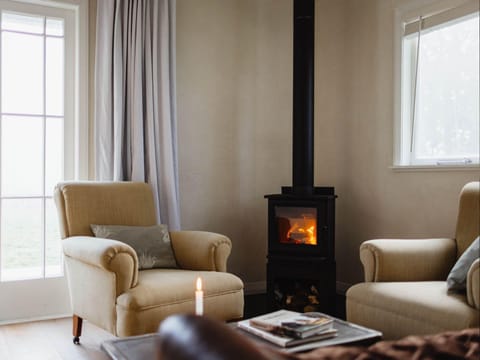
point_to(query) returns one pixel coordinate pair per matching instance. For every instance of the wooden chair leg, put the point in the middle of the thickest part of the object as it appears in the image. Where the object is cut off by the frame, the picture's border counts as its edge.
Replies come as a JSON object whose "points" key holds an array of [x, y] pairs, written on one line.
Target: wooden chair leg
{"points": [[77, 329]]}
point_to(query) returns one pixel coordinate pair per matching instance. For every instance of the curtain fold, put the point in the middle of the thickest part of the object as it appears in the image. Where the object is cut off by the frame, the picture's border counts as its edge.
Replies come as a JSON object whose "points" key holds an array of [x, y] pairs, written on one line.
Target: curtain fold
{"points": [[135, 110]]}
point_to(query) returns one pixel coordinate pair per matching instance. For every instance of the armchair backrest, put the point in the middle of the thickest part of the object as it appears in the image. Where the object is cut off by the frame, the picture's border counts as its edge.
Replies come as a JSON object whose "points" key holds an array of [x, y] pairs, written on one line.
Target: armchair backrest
{"points": [[468, 220], [80, 204]]}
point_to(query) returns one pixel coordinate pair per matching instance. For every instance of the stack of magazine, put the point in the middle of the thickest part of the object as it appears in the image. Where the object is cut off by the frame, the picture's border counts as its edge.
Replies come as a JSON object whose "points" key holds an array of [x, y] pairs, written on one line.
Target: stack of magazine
{"points": [[287, 328]]}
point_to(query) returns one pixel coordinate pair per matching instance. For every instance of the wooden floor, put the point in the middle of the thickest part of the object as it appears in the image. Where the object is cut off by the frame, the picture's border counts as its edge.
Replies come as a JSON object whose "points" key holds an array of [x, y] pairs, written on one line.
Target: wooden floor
{"points": [[51, 340]]}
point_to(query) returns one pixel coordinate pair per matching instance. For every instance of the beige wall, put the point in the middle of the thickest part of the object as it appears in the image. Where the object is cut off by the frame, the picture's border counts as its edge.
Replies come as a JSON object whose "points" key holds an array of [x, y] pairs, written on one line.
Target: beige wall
{"points": [[234, 105], [234, 76]]}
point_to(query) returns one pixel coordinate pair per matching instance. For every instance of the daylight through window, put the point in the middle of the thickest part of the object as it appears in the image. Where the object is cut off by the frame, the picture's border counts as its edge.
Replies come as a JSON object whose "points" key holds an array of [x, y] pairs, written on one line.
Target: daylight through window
{"points": [[440, 90], [32, 143]]}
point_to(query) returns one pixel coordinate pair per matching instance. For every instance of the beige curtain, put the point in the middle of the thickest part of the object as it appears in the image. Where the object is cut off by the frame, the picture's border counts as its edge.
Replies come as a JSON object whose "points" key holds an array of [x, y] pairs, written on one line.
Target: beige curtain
{"points": [[135, 116]]}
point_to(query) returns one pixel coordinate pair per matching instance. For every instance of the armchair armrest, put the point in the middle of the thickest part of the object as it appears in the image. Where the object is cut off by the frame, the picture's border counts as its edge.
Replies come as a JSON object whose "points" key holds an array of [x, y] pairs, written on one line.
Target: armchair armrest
{"points": [[473, 285], [109, 255], [201, 250], [407, 260]]}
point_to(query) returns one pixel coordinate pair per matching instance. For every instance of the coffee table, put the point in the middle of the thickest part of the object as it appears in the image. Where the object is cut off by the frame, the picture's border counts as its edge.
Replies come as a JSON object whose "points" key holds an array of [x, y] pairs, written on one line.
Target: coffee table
{"points": [[143, 346]]}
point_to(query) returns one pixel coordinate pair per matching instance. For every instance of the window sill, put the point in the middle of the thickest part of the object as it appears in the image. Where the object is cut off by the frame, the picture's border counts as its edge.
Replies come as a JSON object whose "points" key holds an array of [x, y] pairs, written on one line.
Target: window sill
{"points": [[434, 168]]}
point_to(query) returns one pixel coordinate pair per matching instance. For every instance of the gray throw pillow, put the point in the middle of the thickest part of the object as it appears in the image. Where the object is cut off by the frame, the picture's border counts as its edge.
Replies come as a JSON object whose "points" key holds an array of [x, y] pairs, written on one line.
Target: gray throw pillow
{"points": [[457, 278], [151, 243]]}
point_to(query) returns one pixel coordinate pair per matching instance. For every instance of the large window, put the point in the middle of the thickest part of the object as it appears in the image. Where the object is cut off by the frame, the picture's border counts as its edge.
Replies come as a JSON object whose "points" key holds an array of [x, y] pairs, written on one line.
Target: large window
{"points": [[440, 88], [43, 140], [32, 140], [38, 120]]}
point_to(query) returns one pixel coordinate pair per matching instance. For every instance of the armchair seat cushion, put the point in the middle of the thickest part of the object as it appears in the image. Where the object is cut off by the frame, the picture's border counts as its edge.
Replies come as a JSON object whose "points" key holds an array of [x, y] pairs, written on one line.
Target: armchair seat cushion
{"points": [[397, 308], [180, 285], [141, 308]]}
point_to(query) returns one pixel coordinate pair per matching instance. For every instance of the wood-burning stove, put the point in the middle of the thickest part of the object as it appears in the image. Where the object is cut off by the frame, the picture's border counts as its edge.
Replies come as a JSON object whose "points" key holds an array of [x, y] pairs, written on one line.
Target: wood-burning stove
{"points": [[301, 251], [301, 220]]}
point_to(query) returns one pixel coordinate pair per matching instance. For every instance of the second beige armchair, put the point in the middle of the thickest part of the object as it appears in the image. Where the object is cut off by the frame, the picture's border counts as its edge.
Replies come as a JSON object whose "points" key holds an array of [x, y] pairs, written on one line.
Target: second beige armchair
{"points": [[405, 289], [106, 287]]}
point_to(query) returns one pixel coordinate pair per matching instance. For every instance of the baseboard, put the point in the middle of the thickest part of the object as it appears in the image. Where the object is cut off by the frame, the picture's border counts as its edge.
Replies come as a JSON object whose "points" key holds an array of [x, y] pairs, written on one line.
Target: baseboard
{"points": [[256, 287], [38, 318]]}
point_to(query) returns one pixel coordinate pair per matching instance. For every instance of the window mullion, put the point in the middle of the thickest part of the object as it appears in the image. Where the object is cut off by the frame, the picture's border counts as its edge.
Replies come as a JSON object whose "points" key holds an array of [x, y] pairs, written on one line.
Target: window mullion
{"points": [[44, 132]]}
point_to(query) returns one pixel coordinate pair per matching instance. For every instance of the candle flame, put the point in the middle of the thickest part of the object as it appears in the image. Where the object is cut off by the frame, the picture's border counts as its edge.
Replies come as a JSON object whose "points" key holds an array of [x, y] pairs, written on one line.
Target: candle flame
{"points": [[199, 284]]}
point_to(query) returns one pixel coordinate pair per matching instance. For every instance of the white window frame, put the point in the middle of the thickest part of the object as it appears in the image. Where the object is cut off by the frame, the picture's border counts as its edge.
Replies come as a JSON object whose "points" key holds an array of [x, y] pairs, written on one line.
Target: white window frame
{"points": [[406, 12], [51, 294]]}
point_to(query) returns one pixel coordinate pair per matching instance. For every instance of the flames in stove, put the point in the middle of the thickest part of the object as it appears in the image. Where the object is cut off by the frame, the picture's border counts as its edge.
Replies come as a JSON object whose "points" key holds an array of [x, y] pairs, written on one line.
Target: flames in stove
{"points": [[297, 225], [302, 232]]}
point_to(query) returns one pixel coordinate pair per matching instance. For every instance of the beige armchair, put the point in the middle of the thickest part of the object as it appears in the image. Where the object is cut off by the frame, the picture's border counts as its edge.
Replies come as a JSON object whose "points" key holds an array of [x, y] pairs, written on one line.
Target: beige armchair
{"points": [[405, 291], [106, 287]]}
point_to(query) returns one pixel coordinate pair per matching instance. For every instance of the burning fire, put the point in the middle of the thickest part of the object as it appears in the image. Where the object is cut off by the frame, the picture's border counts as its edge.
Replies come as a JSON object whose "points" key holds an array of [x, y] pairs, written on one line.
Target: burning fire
{"points": [[302, 232]]}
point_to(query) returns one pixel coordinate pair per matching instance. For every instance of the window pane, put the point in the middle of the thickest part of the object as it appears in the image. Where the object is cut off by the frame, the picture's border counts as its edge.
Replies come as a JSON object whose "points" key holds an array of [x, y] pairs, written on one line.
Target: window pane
{"points": [[21, 239], [54, 76], [24, 23], [54, 27], [447, 121], [53, 248], [53, 154], [22, 156], [22, 78]]}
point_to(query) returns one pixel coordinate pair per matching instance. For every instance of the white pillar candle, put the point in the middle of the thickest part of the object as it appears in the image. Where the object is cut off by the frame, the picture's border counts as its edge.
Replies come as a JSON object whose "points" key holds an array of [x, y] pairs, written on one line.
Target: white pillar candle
{"points": [[199, 298]]}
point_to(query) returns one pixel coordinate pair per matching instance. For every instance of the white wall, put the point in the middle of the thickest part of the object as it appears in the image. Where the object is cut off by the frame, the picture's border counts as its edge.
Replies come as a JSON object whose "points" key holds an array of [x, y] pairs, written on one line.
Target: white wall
{"points": [[234, 79]]}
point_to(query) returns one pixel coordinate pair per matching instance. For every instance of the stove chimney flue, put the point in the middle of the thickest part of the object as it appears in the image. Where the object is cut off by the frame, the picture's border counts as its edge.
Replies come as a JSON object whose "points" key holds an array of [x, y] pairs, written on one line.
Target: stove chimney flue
{"points": [[301, 220], [303, 96]]}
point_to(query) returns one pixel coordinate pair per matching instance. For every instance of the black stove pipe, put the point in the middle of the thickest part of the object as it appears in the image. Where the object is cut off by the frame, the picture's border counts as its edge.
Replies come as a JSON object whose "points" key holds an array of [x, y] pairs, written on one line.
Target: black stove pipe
{"points": [[303, 96]]}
